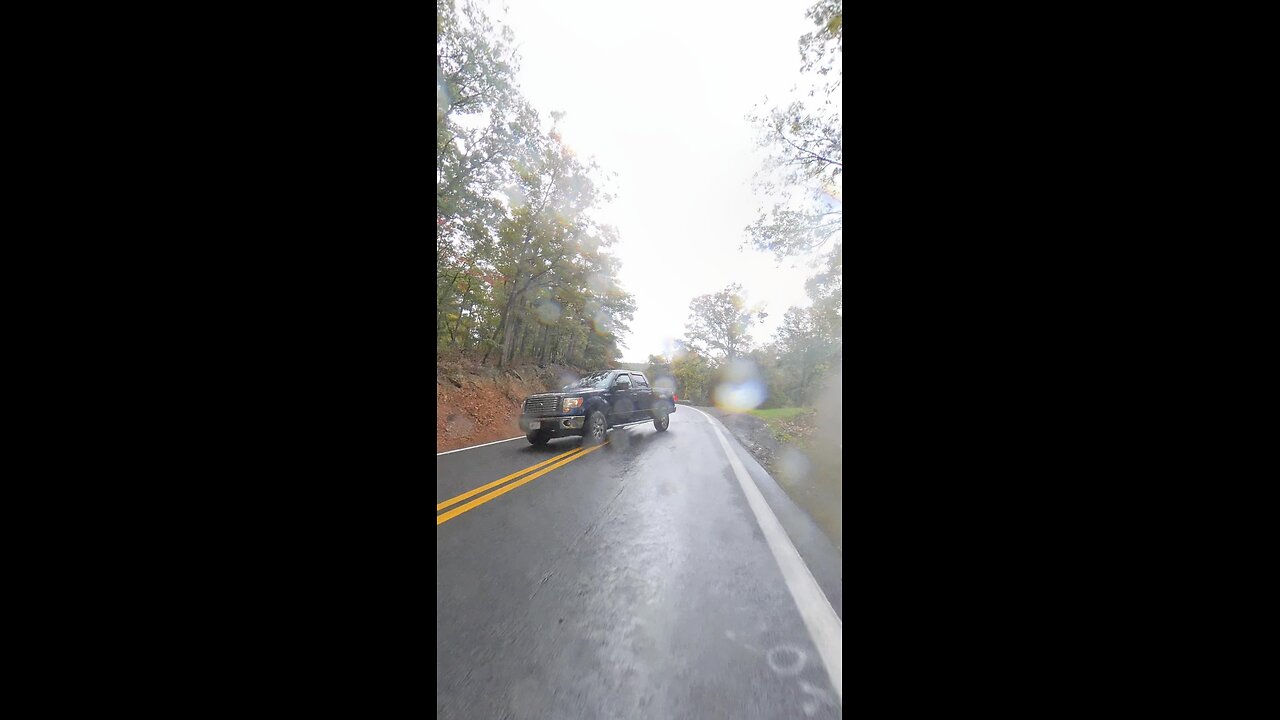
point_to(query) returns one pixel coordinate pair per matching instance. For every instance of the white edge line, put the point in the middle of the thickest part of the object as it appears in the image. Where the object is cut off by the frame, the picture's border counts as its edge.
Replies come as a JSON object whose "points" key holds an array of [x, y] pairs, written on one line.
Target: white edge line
{"points": [[473, 447], [820, 619]]}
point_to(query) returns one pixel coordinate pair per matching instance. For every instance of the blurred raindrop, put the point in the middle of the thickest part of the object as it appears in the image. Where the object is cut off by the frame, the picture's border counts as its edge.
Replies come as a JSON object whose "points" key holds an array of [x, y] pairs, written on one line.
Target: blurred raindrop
{"points": [[516, 196], [793, 465], [600, 322], [548, 312], [739, 371], [598, 282], [620, 439], [443, 98], [459, 426], [742, 389]]}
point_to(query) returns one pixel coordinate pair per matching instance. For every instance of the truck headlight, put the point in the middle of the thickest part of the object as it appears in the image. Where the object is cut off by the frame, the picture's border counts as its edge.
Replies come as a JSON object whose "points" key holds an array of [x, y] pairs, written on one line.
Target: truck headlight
{"points": [[571, 403]]}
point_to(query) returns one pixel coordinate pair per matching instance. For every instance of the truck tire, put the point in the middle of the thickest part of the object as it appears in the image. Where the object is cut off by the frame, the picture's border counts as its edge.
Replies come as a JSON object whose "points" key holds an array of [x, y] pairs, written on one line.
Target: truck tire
{"points": [[594, 429], [538, 437], [661, 420]]}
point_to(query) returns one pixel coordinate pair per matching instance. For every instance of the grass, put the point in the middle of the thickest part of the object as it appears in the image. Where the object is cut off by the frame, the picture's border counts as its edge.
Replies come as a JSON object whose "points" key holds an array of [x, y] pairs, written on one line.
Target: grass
{"points": [[780, 413], [778, 421]]}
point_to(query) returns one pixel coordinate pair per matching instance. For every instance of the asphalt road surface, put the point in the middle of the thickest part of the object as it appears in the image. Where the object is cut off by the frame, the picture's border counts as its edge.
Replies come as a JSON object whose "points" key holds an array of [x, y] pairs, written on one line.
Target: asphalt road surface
{"points": [[650, 577]]}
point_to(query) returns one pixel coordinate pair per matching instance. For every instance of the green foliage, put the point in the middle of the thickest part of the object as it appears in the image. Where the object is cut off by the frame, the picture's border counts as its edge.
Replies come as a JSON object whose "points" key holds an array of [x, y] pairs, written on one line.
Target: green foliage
{"points": [[821, 49], [522, 266], [807, 349], [657, 366], [802, 178], [694, 376], [804, 146], [658, 370], [719, 323]]}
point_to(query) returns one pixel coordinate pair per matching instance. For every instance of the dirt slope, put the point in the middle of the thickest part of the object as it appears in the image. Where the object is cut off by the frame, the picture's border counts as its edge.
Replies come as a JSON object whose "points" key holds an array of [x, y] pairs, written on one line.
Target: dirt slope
{"points": [[477, 404]]}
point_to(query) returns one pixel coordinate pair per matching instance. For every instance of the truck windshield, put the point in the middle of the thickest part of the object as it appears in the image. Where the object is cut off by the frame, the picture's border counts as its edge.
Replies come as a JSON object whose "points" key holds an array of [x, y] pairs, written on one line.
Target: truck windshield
{"points": [[594, 380]]}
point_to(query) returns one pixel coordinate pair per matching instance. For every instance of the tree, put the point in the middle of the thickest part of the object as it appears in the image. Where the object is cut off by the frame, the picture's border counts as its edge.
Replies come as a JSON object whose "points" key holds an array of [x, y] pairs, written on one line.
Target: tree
{"points": [[480, 120], [802, 177], [718, 322], [805, 150], [657, 365], [475, 81], [693, 374], [522, 267], [821, 48], [658, 370], [804, 347]]}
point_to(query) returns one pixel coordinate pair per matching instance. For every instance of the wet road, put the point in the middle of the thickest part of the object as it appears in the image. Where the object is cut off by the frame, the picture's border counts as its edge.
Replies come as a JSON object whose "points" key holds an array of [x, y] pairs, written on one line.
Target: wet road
{"points": [[651, 577]]}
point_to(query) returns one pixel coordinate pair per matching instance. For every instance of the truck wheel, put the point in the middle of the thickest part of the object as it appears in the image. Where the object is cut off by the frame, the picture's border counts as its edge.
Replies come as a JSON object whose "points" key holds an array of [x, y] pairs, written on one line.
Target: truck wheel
{"points": [[661, 420], [538, 437], [594, 430]]}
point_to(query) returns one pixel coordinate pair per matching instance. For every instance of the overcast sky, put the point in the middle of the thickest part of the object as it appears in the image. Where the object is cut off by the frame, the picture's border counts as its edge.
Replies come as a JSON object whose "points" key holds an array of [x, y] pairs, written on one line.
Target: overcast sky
{"points": [[657, 92]]}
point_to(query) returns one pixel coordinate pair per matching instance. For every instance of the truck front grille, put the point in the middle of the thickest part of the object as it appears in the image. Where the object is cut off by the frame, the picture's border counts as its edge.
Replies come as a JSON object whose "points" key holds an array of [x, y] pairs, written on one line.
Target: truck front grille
{"points": [[541, 407]]}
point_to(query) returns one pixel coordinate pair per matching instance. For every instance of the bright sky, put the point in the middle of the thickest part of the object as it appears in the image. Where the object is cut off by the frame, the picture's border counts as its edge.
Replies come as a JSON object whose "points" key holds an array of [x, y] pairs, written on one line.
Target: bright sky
{"points": [[657, 92]]}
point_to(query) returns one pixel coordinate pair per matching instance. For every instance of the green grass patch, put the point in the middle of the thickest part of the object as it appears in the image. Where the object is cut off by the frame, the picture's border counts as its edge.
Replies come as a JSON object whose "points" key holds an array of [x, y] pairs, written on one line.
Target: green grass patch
{"points": [[790, 425], [780, 413]]}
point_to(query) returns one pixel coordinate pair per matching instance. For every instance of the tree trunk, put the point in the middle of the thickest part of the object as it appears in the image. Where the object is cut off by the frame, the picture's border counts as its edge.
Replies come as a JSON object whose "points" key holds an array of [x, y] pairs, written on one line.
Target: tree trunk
{"points": [[492, 337], [502, 319], [524, 339], [509, 336], [461, 304], [519, 331]]}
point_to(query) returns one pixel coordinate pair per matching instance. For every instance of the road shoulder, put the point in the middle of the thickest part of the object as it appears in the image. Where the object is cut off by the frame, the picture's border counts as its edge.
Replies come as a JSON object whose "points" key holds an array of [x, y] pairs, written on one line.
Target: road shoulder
{"points": [[817, 550]]}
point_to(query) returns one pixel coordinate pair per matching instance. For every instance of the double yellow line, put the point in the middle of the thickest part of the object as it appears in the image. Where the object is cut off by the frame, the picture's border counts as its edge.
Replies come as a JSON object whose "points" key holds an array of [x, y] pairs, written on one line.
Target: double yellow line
{"points": [[562, 459]]}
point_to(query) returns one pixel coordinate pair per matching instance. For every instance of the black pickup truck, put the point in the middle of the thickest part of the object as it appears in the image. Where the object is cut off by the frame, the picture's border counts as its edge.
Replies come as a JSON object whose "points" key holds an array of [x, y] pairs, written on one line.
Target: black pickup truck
{"points": [[592, 405]]}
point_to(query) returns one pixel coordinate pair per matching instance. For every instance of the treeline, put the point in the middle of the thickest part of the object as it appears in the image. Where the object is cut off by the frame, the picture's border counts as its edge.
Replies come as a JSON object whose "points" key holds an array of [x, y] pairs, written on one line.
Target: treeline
{"points": [[717, 352], [522, 268]]}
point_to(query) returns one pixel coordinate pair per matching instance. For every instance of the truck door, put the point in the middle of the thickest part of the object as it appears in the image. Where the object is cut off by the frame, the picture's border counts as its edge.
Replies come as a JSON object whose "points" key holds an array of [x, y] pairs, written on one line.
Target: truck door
{"points": [[622, 402], [643, 396]]}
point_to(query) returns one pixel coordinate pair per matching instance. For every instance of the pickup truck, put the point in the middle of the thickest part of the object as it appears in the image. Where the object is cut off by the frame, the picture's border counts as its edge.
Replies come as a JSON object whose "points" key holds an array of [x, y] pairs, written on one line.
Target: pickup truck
{"points": [[592, 405]]}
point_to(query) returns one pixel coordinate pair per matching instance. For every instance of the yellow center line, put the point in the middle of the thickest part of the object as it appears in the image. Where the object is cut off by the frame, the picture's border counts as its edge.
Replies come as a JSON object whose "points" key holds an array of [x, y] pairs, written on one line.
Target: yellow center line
{"points": [[499, 481], [500, 491]]}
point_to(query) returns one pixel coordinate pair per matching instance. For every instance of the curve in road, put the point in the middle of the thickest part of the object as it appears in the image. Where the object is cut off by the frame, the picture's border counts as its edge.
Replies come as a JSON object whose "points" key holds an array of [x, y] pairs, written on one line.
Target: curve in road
{"points": [[658, 575]]}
